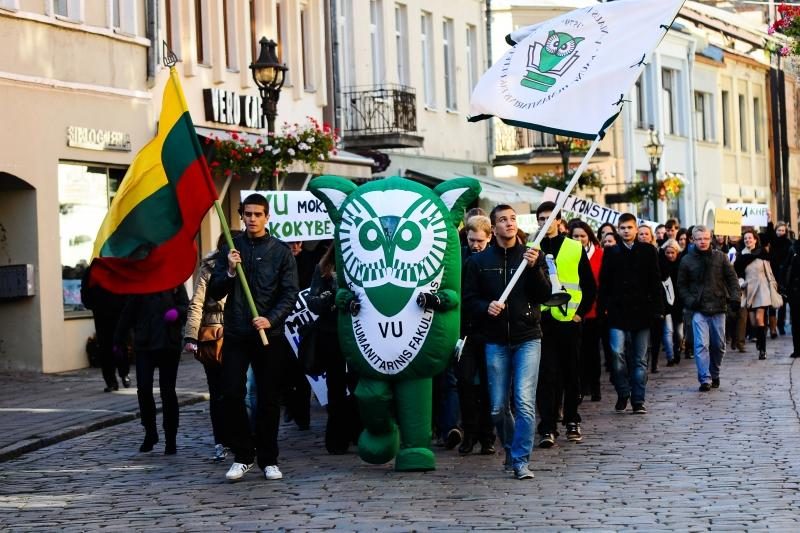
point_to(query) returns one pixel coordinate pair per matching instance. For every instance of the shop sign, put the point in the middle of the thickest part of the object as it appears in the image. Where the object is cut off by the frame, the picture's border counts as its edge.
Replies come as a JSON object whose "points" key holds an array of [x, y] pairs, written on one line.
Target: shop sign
{"points": [[97, 139], [227, 107]]}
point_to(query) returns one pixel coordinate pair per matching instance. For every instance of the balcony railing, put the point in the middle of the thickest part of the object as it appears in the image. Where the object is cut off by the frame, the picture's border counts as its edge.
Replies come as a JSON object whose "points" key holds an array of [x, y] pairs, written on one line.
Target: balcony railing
{"points": [[383, 116], [510, 140]]}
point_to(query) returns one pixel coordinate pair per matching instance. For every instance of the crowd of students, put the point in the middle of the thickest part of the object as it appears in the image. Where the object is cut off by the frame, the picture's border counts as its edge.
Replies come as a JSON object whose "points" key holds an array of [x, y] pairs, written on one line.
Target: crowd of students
{"points": [[631, 291]]}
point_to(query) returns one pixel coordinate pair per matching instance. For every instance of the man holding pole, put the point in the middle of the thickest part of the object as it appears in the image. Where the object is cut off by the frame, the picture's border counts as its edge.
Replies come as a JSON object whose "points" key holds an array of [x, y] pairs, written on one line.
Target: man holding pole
{"points": [[271, 271], [510, 324]]}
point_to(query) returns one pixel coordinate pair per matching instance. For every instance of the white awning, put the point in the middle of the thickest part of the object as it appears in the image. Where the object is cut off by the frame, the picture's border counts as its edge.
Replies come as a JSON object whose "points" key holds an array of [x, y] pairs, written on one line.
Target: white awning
{"points": [[493, 189]]}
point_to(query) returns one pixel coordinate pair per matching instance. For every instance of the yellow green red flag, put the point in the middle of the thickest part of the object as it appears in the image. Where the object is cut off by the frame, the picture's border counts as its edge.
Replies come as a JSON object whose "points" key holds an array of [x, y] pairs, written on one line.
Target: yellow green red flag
{"points": [[147, 240]]}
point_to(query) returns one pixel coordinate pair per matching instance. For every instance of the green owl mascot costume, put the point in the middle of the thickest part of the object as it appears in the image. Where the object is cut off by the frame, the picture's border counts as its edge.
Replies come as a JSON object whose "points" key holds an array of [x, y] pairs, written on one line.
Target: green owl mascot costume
{"points": [[398, 262]]}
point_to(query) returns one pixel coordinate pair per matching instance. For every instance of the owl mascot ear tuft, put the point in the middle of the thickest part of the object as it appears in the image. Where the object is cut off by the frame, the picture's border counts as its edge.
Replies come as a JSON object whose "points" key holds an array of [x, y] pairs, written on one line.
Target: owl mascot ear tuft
{"points": [[333, 191], [457, 194]]}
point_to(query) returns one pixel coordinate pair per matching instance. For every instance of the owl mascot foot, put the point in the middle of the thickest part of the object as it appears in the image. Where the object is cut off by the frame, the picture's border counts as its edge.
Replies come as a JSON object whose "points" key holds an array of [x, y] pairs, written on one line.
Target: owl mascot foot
{"points": [[398, 266]]}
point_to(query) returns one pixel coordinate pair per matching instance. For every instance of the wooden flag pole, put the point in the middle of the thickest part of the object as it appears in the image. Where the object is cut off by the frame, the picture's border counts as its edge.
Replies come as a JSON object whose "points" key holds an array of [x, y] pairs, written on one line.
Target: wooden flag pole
{"points": [[559, 204], [239, 270]]}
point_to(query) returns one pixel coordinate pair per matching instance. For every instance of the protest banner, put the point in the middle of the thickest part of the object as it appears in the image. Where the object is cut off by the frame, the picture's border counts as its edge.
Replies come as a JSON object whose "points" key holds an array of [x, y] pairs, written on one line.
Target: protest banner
{"points": [[752, 214], [589, 209], [296, 216], [527, 223], [727, 222], [299, 316]]}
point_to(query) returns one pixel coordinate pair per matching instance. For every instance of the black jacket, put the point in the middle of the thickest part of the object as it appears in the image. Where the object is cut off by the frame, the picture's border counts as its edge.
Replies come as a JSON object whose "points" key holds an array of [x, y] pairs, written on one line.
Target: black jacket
{"points": [[669, 270], [588, 286], [707, 282], [322, 298], [145, 314], [789, 279], [631, 294], [271, 272], [486, 275]]}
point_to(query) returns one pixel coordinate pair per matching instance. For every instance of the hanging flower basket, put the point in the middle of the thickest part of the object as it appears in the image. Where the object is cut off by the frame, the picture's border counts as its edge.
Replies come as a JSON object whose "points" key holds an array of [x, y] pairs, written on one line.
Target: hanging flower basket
{"points": [[789, 25], [238, 156], [666, 189], [590, 179]]}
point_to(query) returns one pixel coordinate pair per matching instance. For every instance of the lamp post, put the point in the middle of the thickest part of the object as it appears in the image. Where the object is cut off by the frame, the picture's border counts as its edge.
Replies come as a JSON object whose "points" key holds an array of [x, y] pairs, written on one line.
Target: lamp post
{"points": [[654, 149], [564, 145], [269, 74]]}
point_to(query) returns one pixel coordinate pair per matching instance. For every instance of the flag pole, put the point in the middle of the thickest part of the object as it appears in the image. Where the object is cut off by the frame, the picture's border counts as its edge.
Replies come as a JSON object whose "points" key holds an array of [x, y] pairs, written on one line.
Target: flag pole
{"points": [[170, 60], [562, 198]]}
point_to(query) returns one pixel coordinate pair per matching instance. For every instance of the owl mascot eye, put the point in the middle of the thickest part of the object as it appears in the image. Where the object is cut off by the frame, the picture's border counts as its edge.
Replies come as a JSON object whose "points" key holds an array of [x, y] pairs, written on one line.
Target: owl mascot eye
{"points": [[398, 262]]}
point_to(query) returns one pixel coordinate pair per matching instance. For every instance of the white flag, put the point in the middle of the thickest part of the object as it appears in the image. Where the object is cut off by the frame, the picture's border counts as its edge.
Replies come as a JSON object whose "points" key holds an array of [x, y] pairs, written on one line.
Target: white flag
{"points": [[569, 75]]}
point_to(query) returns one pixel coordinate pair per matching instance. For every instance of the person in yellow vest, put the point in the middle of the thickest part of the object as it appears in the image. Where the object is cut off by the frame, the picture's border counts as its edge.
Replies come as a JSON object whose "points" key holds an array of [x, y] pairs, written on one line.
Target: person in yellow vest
{"points": [[559, 370]]}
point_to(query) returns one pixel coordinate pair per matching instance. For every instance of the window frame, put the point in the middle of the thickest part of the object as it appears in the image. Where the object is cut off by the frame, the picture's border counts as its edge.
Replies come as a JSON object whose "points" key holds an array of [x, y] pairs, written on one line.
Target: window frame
{"points": [[401, 43], [743, 145], [758, 144], [449, 64], [426, 43], [376, 38], [725, 106]]}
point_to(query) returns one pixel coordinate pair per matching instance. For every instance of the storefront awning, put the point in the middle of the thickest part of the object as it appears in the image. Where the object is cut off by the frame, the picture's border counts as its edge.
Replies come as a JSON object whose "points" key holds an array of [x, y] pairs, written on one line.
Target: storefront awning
{"points": [[493, 189], [345, 164]]}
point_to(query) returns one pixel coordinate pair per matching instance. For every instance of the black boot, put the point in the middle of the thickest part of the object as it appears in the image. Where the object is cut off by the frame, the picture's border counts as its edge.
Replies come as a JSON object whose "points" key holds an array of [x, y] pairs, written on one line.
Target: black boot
{"points": [[150, 438], [171, 444]]}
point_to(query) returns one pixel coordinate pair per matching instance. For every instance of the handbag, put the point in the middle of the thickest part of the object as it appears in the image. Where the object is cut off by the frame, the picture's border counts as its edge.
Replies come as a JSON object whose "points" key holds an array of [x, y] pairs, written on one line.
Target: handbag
{"points": [[776, 300], [309, 350], [209, 344]]}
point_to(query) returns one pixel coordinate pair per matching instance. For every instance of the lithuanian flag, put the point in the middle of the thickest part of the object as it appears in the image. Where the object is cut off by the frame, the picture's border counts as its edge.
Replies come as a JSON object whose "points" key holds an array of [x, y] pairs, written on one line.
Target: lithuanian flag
{"points": [[147, 240]]}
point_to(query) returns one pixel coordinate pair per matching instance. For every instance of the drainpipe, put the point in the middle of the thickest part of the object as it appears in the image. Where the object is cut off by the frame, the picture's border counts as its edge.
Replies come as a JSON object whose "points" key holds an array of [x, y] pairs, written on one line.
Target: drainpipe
{"points": [[334, 78], [692, 170], [489, 123], [151, 32], [330, 113]]}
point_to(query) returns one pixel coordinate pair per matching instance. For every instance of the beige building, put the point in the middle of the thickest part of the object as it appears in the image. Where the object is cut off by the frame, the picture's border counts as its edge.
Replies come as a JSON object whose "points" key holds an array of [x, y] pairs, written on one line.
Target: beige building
{"points": [[80, 94], [406, 70]]}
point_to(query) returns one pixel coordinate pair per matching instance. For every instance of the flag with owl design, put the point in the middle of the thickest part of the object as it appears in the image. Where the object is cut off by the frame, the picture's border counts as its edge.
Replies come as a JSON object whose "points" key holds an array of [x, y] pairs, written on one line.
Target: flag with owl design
{"points": [[571, 74]]}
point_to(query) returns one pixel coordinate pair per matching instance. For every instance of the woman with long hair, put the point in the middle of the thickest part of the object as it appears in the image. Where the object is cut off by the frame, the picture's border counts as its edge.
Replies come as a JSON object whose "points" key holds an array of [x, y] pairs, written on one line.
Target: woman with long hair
{"points": [[343, 424], [590, 343], [751, 268]]}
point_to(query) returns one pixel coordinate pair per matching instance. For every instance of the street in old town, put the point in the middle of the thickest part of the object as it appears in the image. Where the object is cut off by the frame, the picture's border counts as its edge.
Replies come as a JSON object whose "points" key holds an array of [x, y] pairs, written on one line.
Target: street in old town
{"points": [[726, 460]]}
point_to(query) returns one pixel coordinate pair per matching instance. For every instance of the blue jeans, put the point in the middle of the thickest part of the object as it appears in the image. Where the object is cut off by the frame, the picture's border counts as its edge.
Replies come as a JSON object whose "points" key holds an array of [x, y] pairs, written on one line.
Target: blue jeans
{"points": [[251, 398], [709, 345], [448, 409], [516, 366], [629, 362]]}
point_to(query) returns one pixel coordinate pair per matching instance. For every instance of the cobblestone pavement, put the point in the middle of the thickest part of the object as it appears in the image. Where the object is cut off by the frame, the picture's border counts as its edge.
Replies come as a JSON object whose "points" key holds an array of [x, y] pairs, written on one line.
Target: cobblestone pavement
{"points": [[37, 409], [726, 460]]}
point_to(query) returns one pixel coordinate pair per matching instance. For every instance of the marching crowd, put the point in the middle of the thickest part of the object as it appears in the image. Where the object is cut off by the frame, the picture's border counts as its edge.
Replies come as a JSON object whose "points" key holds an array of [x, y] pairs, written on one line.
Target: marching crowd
{"points": [[584, 301]]}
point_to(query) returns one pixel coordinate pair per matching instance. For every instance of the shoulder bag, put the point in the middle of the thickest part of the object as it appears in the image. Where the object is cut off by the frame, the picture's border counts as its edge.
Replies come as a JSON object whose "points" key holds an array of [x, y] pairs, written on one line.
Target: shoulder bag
{"points": [[309, 351], [209, 344]]}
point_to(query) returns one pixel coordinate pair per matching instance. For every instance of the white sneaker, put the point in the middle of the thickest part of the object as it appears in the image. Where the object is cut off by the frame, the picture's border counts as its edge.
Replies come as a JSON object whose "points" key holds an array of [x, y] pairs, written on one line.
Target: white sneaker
{"points": [[272, 472], [220, 452], [237, 471]]}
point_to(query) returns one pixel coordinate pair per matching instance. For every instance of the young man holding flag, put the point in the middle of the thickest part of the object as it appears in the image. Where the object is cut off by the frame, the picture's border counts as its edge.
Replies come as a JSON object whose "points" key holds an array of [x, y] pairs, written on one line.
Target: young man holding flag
{"points": [[272, 275]]}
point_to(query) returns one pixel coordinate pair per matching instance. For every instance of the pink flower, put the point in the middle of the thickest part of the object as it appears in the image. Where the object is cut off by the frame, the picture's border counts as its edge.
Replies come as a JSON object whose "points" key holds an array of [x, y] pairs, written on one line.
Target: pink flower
{"points": [[785, 51]]}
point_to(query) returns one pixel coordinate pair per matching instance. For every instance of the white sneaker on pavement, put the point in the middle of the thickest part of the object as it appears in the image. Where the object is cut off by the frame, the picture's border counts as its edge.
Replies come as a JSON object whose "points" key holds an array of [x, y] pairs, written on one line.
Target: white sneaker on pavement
{"points": [[237, 471], [272, 472]]}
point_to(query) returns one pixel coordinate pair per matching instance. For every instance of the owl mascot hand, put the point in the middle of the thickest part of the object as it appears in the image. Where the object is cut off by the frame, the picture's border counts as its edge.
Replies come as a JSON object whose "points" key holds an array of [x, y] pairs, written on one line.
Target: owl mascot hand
{"points": [[398, 262]]}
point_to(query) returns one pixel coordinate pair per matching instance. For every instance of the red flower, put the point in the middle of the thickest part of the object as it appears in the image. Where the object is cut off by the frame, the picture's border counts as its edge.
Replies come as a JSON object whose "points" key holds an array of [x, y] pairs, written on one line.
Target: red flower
{"points": [[214, 164], [208, 140], [235, 136], [228, 172]]}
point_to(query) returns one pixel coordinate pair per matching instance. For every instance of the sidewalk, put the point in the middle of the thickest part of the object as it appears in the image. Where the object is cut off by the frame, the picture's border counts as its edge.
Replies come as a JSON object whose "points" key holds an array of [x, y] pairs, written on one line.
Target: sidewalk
{"points": [[37, 410]]}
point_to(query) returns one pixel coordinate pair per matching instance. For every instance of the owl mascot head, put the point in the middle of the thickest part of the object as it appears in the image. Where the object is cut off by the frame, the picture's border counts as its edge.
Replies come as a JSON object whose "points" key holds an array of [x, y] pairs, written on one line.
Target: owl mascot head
{"points": [[398, 263]]}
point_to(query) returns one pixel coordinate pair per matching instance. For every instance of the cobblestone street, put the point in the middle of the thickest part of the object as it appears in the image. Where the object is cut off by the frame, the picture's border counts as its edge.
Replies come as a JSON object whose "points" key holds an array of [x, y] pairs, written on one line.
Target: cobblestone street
{"points": [[724, 460]]}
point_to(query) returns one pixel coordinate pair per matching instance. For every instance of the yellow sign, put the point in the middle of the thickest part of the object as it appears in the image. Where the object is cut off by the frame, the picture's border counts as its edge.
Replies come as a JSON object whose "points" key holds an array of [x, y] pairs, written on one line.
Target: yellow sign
{"points": [[727, 222]]}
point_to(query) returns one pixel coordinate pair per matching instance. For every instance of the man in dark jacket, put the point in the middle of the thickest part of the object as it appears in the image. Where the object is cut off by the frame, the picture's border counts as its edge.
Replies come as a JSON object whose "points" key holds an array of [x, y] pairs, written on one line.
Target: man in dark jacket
{"points": [[272, 275], [559, 372], [707, 285], [790, 284], [512, 332], [631, 298]]}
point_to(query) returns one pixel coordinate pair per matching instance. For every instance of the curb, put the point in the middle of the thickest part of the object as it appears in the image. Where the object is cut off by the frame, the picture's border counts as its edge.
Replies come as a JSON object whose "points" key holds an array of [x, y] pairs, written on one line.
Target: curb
{"points": [[19, 448]]}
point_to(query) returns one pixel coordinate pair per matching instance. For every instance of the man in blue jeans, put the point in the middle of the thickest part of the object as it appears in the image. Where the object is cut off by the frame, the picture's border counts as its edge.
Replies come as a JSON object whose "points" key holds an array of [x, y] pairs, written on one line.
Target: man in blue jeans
{"points": [[512, 331], [630, 298], [707, 285]]}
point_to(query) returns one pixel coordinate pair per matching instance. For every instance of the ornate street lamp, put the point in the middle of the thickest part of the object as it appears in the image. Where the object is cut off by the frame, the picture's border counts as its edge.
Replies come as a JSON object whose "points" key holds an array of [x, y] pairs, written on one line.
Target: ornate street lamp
{"points": [[564, 145], [269, 74], [654, 149]]}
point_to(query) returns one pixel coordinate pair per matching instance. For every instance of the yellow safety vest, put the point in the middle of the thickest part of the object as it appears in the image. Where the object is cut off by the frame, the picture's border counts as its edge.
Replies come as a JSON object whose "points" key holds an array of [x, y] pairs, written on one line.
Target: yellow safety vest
{"points": [[567, 261]]}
